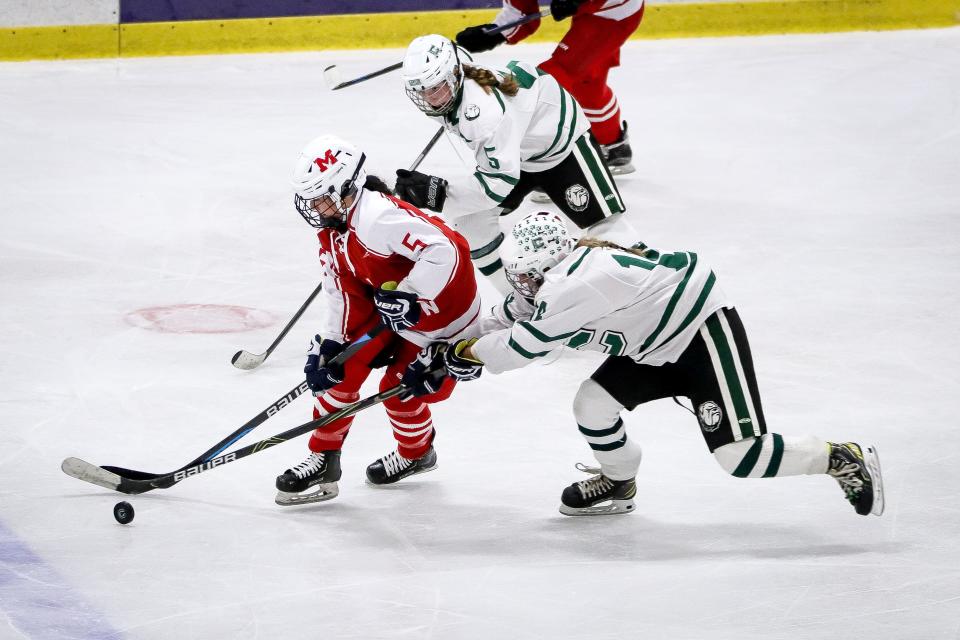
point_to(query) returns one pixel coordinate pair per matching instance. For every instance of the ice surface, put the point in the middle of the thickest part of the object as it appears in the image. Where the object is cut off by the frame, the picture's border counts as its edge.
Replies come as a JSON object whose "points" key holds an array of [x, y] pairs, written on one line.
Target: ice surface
{"points": [[820, 175]]}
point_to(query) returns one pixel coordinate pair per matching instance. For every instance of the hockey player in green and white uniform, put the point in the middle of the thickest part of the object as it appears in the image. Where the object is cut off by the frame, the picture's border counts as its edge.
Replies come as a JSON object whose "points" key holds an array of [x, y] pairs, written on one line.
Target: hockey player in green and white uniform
{"points": [[670, 331], [526, 131]]}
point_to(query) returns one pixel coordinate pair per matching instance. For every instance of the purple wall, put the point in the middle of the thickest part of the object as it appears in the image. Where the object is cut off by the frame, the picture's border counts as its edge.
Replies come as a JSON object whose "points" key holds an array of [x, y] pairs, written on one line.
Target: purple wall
{"points": [[174, 10]]}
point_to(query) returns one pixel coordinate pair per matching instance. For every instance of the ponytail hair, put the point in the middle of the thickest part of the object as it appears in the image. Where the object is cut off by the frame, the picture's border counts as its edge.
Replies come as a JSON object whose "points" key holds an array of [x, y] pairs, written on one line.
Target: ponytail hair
{"points": [[373, 183], [487, 79], [594, 243]]}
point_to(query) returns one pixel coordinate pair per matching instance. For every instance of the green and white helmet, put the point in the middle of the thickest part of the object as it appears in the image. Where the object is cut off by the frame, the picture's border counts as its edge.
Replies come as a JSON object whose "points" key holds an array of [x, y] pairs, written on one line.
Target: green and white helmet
{"points": [[432, 74], [538, 243]]}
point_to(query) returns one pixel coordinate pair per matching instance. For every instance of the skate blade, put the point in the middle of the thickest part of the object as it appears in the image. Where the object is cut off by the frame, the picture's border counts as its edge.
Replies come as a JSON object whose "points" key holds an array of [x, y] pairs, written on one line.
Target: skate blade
{"points": [[540, 198], [872, 460], [415, 473], [622, 169], [612, 508], [323, 492]]}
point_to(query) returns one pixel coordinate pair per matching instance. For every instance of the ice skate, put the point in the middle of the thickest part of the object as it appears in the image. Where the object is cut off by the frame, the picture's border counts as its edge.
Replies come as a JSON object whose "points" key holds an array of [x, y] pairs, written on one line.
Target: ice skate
{"points": [[393, 467], [313, 480], [586, 498], [858, 472], [618, 154]]}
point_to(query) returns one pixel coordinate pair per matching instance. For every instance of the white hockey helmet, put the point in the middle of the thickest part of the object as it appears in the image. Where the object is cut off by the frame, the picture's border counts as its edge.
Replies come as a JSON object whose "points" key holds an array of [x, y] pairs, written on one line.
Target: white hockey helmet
{"points": [[327, 171], [432, 74], [539, 242]]}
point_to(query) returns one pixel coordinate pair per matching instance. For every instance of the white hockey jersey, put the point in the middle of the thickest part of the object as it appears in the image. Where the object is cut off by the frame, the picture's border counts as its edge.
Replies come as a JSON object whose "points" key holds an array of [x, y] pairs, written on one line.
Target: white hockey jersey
{"points": [[607, 300], [531, 131]]}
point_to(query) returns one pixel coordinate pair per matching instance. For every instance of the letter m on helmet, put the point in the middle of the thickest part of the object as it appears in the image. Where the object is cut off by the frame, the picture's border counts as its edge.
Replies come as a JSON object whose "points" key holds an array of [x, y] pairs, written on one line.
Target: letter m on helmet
{"points": [[328, 158]]}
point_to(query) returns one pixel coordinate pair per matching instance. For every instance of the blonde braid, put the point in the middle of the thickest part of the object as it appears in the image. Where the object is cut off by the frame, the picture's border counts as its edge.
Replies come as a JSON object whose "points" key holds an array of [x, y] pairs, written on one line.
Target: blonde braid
{"points": [[487, 79]]}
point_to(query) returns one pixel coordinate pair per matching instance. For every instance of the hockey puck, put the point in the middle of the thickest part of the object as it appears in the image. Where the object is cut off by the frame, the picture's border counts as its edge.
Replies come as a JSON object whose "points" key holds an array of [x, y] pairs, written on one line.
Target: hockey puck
{"points": [[123, 512]]}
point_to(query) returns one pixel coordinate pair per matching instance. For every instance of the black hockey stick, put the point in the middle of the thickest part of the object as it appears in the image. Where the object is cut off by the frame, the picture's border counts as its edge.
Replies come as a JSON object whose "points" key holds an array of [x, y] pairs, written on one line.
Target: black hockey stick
{"points": [[246, 360], [331, 74], [249, 426], [134, 482], [426, 149]]}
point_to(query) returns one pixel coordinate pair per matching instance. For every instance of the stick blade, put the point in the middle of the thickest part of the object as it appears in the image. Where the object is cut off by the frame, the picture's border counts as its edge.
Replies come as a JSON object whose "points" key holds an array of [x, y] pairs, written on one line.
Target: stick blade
{"points": [[246, 360], [82, 470], [332, 77]]}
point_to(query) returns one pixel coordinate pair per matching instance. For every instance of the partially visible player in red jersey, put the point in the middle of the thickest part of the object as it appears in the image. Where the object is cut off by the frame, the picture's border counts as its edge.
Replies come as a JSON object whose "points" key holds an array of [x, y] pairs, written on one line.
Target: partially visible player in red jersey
{"points": [[581, 61], [368, 238]]}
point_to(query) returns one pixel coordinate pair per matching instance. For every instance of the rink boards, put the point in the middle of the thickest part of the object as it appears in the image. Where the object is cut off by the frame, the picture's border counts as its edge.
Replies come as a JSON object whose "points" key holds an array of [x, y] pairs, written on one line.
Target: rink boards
{"points": [[136, 28]]}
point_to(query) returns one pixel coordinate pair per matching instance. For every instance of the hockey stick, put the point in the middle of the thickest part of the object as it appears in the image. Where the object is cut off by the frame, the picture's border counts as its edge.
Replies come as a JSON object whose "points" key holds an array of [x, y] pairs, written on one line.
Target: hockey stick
{"points": [[249, 426], [135, 482], [426, 149], [246, 360], [334, 81]]}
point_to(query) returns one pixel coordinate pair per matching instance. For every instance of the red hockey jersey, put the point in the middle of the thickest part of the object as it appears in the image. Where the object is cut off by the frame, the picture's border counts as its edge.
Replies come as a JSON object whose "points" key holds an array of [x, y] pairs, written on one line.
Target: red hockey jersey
{"points": [[388, 240]]}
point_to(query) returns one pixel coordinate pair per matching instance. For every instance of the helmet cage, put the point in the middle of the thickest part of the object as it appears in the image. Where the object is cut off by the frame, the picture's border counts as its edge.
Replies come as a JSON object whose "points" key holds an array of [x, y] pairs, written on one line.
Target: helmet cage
{"points": [[421, 96], [526, 283]]}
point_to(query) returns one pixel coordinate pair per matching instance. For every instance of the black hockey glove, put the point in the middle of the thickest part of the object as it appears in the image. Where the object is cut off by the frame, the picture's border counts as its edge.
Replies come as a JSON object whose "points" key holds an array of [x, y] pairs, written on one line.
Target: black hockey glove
{"points": [[425, 375], [398, 310], [562, 9], [421, 190], [459, 367], [321, 375], [477, 39]]}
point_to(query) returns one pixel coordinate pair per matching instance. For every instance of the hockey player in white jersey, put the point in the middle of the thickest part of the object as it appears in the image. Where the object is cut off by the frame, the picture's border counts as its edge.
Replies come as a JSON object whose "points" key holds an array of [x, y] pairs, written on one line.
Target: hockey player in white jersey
{"points": [[527, 132], [669, 331]]}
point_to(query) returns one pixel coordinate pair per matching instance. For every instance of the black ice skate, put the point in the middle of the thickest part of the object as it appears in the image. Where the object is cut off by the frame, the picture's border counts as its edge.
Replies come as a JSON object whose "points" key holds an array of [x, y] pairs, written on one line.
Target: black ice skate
{"points": [[618, 154], [858, 472], [320, 472], [584, 498], [393, 467]]}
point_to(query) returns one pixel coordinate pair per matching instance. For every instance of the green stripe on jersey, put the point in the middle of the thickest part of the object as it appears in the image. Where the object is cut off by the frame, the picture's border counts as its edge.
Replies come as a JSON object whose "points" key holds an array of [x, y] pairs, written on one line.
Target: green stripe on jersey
{"points": [[577, 263], [506, 307], [556, 138], [526, 354], [486, 188], [573, 123], [694, 310], [541, 336], [674, 300], [524, 79], [500, 176]]}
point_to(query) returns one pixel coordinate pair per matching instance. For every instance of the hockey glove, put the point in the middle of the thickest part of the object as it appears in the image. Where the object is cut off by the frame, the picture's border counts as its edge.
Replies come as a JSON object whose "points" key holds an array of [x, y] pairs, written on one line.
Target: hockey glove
{"points": [[425, 375], [562, 9], [459, 366], [476, 39], [421, 190], [321, 374], [398, 310]]}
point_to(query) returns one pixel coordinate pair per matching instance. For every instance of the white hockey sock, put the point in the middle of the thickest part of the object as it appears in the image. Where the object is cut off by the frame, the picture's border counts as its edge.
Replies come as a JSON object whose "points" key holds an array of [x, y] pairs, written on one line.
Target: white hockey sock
{"points": [[598, 418], [618, 455], [773, 455]]}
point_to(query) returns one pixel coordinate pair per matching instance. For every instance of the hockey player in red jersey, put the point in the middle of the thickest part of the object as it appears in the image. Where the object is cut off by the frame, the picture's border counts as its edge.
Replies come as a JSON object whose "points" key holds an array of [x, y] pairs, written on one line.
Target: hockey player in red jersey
{"points": [[581, 61], [368, 238]]}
